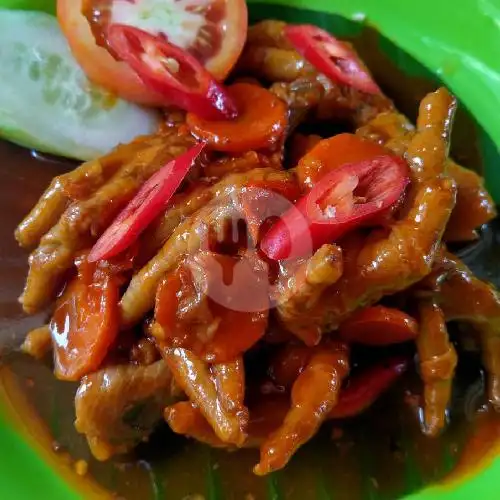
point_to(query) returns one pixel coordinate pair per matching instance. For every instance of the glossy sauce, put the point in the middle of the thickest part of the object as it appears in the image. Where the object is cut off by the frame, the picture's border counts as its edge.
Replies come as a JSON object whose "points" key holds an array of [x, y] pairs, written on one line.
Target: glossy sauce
{"points": [[379, 455]]}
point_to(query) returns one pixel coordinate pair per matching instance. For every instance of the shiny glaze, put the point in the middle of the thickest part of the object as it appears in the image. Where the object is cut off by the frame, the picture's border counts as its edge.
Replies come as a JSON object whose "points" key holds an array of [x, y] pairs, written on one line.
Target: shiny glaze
{"points": [[437, 360], [194, 311], [390, 262], [195, 378], [84, 324], [258, 126], [313, 396], [82, 220], [375, 455], [187, 238]]}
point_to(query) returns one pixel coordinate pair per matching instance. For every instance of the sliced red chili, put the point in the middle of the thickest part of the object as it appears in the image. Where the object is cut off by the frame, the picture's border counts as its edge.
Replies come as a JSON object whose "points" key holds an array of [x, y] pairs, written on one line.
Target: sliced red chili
{"points": [[261, 201], [330, 56], [364, 389], [171, 72], [144, 207], [332, 153], [344, 199], [379, 325]]}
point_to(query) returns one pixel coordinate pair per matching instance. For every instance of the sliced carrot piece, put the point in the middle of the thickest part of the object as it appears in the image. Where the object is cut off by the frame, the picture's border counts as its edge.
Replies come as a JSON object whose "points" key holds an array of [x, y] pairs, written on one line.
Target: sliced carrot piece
{"points": [[170, 292], [201, 320], [237, 332], [85, 322], [286, 188], [260, 123], [300, 145], [330, 154], [379, 325]]}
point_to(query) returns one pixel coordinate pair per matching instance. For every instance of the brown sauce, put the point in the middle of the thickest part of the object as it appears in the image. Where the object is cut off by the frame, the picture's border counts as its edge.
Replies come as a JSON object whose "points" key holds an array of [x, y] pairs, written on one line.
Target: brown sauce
{"points": [[379, 455]]}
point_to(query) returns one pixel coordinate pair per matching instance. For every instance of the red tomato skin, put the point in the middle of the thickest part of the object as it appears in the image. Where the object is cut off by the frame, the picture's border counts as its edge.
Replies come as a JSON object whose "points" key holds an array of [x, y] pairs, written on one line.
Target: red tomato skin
{"points": [[102, 69], [97, 63]]}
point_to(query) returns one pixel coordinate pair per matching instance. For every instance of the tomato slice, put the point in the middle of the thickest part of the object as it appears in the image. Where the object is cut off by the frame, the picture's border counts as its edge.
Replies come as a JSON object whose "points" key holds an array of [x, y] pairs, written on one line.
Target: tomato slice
{"points": [[98, 64], [344, 199], [379, 325], [85, 322], [260, 123], [151, 199], [171, 72], [212, 31], [228, 16], [202, 321], [330, 56]]}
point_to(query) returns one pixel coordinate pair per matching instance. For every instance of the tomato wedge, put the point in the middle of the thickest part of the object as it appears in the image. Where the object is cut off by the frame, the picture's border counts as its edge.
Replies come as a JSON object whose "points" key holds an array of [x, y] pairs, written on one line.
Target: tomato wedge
{"points": [[364, 389], [379, 325], [97, 63], [85, 322], [144, 207], [344, 199], [191, 318], [215, 38], [260, 123], [330, 56], [212, 31], [171, 72]]}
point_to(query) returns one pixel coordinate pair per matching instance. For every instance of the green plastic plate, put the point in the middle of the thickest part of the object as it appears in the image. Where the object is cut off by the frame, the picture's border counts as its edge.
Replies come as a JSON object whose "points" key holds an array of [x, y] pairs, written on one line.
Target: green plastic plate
{"points": [[455, 42]]}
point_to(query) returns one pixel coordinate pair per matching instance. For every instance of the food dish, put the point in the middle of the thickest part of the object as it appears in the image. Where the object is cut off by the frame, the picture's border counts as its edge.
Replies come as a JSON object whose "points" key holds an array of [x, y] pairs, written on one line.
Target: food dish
{"points": [[293, 323]]}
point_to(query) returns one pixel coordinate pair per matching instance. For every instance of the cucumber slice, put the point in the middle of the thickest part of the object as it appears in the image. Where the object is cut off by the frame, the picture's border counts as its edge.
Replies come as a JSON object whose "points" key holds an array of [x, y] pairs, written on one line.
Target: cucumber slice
{"points": [[46, 101]]}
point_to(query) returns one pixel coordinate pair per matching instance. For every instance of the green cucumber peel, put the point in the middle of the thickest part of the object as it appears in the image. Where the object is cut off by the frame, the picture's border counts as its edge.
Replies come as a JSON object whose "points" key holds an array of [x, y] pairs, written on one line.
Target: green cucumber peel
{"points": [[47, 102]]}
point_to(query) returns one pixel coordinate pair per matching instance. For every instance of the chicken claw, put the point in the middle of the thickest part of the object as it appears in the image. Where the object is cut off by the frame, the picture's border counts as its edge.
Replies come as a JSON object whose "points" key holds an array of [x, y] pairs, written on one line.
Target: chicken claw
{"points": [[438, 360], [84, 220], [187, 238], [314, 394], [194, 377], [474, 206], [463, 297], [303, 291], [186, 418], [390, 261]]}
